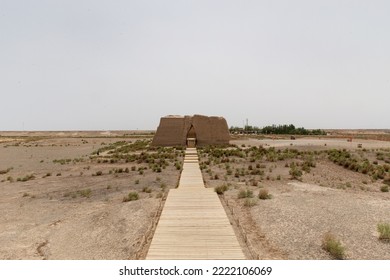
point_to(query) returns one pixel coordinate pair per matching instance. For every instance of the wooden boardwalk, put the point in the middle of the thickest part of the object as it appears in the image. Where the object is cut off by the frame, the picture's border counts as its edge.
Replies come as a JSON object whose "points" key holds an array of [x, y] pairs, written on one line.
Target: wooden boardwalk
{"points": [[193, 224]]}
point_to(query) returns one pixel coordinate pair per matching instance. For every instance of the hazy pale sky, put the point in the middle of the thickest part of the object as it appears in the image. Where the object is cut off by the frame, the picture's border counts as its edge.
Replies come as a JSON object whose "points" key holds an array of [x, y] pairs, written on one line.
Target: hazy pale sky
{"points": [[106, 65]]}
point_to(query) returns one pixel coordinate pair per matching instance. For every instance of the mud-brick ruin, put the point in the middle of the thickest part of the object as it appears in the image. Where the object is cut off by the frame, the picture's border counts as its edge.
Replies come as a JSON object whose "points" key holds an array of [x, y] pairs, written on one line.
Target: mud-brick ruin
{"points": [[191, 131]]}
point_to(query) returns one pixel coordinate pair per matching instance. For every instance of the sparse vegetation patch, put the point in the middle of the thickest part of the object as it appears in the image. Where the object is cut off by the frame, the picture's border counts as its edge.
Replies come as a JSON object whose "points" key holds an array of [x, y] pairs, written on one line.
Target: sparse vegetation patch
{"points": [[26, 178], [85, 193], [221, 189], [384, 231], [131, 196], [245, 194], [264, 194], [333, 246], [5, 171], [250, 202]]}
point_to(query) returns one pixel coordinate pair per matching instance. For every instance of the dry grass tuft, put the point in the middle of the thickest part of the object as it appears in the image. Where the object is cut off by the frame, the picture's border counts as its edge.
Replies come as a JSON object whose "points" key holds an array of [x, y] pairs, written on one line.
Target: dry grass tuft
{"points": [[221, 189], [131, 196], [245, 194], [384, 231], [250, 202], [264, 194], [333, 246]]}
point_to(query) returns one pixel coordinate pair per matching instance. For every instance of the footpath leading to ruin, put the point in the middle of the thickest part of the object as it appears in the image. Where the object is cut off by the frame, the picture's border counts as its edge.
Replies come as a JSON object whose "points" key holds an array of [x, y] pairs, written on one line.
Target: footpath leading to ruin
{"points": [[193, 224]]}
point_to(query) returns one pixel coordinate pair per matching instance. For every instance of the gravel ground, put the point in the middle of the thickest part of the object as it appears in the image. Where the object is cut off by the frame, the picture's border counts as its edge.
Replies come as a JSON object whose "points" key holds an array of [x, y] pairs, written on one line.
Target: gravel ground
{"points": [[47, 218], [40, 221], [295, 220]]}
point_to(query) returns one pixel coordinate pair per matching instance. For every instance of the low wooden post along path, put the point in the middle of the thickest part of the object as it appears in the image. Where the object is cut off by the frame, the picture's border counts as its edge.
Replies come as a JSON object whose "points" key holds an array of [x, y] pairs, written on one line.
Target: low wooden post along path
{"points": [[193, 224]]}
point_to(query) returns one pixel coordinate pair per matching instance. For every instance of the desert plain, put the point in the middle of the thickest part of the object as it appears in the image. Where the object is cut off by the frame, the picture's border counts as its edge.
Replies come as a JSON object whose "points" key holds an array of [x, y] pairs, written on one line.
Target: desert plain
{"points": [[98, 195]]}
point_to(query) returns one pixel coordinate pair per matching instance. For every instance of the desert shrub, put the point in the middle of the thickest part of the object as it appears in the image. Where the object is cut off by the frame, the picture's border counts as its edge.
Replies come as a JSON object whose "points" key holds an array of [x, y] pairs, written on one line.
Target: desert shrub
{"points": [[5, 171], [62, 161], [136, 182], [380, 156], [295, 172], [250, 202], [257, 172], [26, 178], [85, 193], [98, 173], [221, 189], [157, 169], [131, 196], [333, 246], [163, 186], [159, 195], [10, 179], [385, 188], [278, 177], [146, 190], [384, 231], [380, 172], [264, 194], [216, 177], [306, 168], [245, 194]]}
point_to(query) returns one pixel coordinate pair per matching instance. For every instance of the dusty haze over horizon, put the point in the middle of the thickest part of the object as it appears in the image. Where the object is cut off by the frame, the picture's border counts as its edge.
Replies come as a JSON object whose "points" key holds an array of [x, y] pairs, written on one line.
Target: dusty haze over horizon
{"points": [[104, 65]]}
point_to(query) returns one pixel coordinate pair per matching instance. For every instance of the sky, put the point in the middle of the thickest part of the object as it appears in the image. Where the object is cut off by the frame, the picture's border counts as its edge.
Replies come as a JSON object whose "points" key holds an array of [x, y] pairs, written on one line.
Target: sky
{"points": [[121, 65]]}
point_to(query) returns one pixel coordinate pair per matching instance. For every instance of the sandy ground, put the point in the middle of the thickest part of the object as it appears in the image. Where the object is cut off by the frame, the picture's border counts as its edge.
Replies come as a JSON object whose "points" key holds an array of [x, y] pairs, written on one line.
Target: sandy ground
{"points": [[292, 224], [74, 215], [67, 213], [316, 143]]}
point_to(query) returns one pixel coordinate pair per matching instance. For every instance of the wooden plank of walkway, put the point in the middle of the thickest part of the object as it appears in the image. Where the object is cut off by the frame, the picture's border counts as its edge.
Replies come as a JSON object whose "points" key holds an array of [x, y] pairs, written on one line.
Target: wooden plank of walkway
{"points": [[193, 223]]}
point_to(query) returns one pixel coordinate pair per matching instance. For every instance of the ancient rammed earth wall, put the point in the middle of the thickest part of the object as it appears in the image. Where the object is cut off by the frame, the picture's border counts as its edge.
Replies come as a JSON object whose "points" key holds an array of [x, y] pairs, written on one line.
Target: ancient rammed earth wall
{"points": [[170, 132], [173, 130]]}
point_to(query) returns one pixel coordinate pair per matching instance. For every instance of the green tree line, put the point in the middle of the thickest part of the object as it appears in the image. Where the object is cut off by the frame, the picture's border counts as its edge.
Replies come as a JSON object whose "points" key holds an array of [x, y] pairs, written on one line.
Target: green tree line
{"points": [[277, 129]]}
